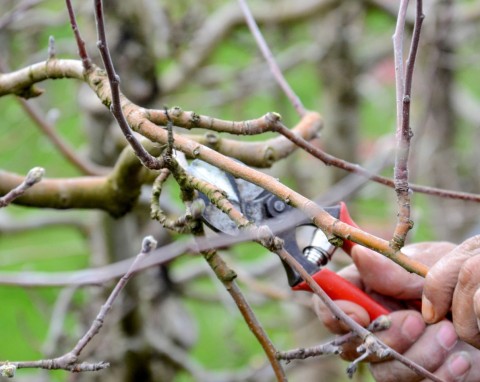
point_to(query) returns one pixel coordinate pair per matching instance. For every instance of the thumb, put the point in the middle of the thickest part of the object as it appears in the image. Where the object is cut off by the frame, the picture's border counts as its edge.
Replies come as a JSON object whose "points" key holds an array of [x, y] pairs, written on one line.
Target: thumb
{"points": [[383, 276]]}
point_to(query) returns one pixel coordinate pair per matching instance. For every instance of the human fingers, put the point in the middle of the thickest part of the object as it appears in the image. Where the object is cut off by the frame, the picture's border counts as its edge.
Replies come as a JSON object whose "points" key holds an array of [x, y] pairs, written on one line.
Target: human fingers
{"points": [[466, 302], [333, 324], [430, 350], [406, 327], [443, 277], [382, 275], [462, 364]]}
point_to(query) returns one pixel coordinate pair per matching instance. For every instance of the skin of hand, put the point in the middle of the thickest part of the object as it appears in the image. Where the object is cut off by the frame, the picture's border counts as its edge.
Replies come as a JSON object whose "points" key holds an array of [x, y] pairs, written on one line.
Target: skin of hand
{"points": [[454, 281], [436, 347]]}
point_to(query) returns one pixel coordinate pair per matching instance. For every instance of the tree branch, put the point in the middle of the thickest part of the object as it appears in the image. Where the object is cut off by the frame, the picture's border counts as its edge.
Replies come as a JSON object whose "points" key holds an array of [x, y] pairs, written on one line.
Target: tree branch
{"points": [[114, 80], [82, 51], [404, 133], [269, 57], [34, 176], [69, 361]]}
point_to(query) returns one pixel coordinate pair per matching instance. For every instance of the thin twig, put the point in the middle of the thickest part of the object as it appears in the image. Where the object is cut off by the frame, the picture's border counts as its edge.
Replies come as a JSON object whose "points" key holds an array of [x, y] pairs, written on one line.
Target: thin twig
{"points": [[115, 107], [400, 176], [223, 272], [354, 168], [370, 343], [21, 8], [69, 361], [272, 63], [333, 346], [328, 348], [404, 133], [227, 277], [82, 51], [12, 83], [34, 176], [148, 245], [265, 237]]}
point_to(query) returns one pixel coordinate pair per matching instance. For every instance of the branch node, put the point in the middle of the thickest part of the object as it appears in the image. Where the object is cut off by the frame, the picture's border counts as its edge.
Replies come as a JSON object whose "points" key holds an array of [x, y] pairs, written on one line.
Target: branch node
{"points": [[51, 48], [176, 111], [34, 176], [8, 370], [148, 244], [380, 323]]}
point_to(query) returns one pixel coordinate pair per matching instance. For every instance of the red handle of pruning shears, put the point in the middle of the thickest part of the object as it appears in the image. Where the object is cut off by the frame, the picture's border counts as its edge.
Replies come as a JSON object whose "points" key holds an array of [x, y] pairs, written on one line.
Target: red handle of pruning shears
{"points": [[337, 288]]}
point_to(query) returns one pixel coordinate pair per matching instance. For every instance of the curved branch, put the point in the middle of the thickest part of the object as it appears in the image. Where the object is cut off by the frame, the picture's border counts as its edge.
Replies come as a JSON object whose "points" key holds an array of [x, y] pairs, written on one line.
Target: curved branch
{"points": [[21, 82], [115, 194], [16, 83]]}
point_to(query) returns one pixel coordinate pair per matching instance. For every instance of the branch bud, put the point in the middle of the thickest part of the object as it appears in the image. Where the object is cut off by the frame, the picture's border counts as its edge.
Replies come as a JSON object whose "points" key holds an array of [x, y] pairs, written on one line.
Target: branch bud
{"points": [[148, 244]]}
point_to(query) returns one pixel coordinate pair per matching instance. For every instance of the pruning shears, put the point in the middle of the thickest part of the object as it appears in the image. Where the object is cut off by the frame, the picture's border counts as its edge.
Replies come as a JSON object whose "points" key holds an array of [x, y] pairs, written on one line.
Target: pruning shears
{"points": [[262, 207]]}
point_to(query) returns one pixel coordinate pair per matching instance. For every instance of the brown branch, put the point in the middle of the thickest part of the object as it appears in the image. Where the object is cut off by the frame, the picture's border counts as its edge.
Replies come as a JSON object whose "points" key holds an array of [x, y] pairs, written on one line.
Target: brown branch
{"points": [[258, 154], [404, 132], [354, 168], [17, 81], [224, 273], [319, 216], [115, 194], [227, 277], [114, 81], [264, 236], [34, 176], [371, 344], [333, 346], [137, 118], [69, 361], [272, 63], [148, 245], [82, 51]]}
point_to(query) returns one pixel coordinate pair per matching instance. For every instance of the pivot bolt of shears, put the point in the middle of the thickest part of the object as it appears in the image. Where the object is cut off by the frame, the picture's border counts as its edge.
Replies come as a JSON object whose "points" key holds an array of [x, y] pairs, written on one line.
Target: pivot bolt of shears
{"points": [[320, 250], [279, 206]]}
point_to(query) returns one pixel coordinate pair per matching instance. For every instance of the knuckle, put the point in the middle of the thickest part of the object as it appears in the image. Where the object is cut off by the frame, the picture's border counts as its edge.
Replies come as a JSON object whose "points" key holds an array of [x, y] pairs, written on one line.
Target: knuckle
{"points": [[469, 272], [471, 245]]}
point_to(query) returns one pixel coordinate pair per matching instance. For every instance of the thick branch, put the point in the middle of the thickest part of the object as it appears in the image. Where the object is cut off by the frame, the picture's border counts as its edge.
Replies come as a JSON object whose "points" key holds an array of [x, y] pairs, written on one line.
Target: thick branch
{"points": [[34, 176], [17, 81], [115, 194]]}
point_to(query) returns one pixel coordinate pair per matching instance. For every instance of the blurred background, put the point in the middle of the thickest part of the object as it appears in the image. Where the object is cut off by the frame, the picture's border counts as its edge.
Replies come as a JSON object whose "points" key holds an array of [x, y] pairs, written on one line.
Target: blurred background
{"points": [[176, 322]]}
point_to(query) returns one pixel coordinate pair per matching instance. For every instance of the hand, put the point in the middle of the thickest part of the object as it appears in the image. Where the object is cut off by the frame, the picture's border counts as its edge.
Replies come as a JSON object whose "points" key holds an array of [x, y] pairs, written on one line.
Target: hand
{"points": [[435, 347], [454, 281]]}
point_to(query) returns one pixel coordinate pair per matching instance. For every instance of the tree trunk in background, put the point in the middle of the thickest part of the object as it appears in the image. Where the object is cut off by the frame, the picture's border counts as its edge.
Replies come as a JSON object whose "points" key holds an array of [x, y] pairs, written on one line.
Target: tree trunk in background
{"points": [[148, 298], [439, 159], [338, 72]]}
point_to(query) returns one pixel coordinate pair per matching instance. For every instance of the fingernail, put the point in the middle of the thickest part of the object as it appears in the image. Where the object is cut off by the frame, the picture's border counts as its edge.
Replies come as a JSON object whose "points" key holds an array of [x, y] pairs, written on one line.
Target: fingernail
{"points": [[459, 364], [446, 336], [412, 328], [428, 312]]}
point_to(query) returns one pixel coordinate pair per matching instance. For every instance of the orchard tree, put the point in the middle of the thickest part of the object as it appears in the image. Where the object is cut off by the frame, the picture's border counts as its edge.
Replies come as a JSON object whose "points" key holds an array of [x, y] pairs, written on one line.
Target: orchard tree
{"points": [[308, 100]]}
